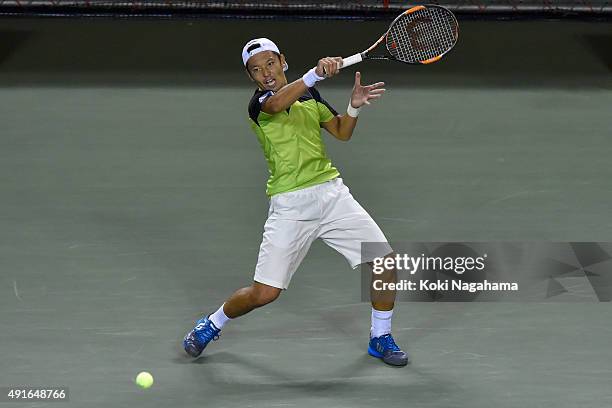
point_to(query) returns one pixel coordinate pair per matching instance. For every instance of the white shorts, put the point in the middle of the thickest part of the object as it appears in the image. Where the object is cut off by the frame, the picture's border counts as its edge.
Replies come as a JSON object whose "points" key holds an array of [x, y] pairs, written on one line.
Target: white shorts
{"points": [[295, 219]]}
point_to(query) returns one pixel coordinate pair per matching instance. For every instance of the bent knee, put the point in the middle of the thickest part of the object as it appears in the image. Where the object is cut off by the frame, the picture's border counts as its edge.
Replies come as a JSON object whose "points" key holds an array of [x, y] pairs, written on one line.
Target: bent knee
{"points": [[265, 294]]}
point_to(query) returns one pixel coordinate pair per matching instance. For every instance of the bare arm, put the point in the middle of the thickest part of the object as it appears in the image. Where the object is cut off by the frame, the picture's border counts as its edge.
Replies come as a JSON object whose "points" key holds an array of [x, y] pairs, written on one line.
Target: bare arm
{"points": [[342, 126], [288, 94], [285, 97]]}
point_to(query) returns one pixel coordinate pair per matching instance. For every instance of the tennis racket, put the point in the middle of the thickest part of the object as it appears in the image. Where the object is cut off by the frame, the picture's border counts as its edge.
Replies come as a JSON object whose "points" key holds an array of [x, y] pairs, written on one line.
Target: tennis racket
{"points": [[420, 35]]}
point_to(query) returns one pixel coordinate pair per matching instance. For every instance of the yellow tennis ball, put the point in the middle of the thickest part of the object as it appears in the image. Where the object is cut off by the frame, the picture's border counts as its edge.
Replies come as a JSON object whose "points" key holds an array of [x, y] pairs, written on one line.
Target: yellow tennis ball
{"points": [[144, 380]]}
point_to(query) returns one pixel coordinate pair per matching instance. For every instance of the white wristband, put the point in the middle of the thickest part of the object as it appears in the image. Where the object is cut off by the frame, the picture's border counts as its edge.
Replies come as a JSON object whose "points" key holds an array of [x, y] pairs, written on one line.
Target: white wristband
{"points": [[310, 78], [352, 112]]}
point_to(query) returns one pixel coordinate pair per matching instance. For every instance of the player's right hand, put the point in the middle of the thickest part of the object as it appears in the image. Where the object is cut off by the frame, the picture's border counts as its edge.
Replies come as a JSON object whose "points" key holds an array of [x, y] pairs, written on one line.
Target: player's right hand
{"points": [[328, 66]]}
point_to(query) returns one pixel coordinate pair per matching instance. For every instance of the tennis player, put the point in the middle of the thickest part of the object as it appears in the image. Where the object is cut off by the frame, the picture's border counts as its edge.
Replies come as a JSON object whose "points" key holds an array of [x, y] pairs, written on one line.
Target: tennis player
{"points": [[308, 199]]}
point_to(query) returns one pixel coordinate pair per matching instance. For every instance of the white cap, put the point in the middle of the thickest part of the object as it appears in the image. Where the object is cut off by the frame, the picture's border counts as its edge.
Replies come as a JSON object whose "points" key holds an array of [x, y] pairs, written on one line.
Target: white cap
{"points": [[256, 46]]}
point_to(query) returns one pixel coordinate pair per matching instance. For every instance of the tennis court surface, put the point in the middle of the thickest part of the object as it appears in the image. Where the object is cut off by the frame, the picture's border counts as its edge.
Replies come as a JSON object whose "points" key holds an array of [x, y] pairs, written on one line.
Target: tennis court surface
{"points": [[132, 201]]}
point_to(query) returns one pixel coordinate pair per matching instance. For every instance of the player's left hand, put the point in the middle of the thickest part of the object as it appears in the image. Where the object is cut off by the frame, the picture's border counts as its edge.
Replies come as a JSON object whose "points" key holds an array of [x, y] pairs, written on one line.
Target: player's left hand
{"points": [[363, 94]]}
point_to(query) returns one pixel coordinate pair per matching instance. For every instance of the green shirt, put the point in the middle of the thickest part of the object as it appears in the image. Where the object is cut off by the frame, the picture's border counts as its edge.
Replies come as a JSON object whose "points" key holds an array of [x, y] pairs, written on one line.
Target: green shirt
{"points": [[291, 141]]}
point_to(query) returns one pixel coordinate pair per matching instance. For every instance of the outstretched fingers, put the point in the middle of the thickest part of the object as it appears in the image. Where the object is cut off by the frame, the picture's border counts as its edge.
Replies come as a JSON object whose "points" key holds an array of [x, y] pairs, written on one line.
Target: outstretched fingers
{"points": [[375, 86], [374, 94]]}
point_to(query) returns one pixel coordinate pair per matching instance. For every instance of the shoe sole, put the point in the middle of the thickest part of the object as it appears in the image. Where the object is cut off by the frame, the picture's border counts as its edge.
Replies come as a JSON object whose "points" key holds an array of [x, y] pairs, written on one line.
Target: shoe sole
{"points": [[376, 354]]}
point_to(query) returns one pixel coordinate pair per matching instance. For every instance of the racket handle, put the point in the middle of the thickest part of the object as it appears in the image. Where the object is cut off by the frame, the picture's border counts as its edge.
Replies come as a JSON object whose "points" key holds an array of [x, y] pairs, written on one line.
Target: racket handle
{"points": [[353, 59]]}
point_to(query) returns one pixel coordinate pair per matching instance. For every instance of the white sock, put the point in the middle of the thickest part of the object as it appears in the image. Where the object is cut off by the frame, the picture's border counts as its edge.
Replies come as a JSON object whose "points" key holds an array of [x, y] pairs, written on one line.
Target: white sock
{"points": [[219, 318], [381, 322]]}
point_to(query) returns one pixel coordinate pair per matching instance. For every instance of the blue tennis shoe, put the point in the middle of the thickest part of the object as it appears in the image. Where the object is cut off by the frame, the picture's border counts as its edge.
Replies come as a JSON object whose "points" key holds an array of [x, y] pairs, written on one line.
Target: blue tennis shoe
{"points": [[197, 339], [384, 347]]}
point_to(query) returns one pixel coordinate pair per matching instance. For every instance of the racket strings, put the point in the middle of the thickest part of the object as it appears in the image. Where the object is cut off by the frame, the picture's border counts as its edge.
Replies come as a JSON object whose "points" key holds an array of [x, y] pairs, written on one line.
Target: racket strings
{"points": [[425, 34]]}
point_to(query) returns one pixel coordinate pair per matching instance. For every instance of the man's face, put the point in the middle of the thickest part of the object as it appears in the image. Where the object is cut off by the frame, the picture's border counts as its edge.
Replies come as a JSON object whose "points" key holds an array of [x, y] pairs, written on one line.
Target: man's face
{"points": [[266, 70]]}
